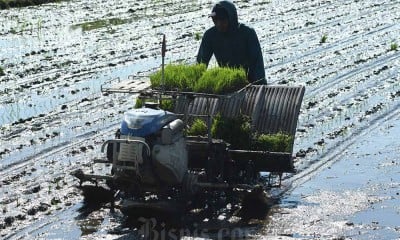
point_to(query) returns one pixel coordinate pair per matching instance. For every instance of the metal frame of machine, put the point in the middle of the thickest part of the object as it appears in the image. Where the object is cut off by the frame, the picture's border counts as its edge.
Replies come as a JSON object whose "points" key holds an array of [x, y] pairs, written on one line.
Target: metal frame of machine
{"points": [[143, 176], [154, 162]]}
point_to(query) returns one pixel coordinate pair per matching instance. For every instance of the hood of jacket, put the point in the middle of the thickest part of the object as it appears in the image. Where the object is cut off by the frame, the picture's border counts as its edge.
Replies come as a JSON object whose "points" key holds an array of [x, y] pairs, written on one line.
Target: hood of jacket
{"points": [[232, 13]]}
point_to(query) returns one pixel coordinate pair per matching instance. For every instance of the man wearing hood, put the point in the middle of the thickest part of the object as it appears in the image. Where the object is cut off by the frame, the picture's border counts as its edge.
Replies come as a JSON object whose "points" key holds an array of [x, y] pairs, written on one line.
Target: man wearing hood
{"points": [[233, 44]]}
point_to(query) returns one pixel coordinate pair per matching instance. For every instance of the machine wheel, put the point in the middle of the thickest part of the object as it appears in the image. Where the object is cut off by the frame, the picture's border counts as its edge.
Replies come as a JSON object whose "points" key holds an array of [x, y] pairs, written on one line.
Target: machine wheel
{"points": [[255, 204]]}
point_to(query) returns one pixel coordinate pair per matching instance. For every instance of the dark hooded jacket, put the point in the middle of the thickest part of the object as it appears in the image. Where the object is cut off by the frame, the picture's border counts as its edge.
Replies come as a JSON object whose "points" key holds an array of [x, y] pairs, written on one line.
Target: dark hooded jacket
{"points": [[239, 47]]}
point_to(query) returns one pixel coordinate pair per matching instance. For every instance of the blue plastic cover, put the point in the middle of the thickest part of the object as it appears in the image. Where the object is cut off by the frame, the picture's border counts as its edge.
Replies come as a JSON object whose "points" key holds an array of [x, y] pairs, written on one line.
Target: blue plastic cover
{"points": [[142, 122]]}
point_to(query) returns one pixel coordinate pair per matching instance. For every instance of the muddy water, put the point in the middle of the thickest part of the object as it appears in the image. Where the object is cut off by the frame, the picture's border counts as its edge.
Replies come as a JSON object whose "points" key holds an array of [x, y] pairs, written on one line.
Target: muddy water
{"points": [[53, 117], [356, 196]]}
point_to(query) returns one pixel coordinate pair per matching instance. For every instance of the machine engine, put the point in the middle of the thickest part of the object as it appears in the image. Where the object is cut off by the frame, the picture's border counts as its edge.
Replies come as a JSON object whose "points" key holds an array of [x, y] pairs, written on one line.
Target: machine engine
{"points": [[149, 150]]}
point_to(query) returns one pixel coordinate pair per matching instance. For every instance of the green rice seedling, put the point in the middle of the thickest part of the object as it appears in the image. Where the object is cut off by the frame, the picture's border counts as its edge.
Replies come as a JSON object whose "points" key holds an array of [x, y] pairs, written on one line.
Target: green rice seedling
{"points": [[394, 46], [39, 24], [58, 186], [166, 104], [197, 36], [279, 142], [178, 76], [324, 38], [139, 103], [221, 80], [55, 201], [205, 85], [231, 80], [236, 131], [197, 128]]}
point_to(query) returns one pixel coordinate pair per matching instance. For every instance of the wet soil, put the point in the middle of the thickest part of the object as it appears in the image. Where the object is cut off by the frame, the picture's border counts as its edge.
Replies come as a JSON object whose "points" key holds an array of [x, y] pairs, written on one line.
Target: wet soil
{"points": [[355, 196], [53, 117]]}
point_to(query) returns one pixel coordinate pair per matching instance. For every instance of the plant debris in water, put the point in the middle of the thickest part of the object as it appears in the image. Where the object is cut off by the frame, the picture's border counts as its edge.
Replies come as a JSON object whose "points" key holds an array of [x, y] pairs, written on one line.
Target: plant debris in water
{"points": [[2, 72], [323, 38], [394, 46], [102, 23]]}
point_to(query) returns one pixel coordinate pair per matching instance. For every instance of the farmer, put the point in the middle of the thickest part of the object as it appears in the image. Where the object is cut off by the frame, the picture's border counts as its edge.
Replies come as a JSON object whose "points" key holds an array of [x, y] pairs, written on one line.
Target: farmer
{"points": [[233, 44]]}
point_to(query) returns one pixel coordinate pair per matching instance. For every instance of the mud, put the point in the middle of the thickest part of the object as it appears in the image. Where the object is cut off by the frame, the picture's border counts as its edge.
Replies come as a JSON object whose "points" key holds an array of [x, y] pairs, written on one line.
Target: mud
{"points": [[53, 117], [356, 197]]}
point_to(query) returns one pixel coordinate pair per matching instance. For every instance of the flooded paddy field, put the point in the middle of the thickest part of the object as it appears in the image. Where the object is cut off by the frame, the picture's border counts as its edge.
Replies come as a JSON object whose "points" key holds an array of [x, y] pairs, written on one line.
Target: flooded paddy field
{"points": [[54, 118]]}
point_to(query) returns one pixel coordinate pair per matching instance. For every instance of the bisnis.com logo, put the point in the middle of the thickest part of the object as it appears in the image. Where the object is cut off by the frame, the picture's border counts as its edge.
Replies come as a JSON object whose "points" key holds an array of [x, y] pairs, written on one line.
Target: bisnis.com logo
{"points": [[150, 229]]}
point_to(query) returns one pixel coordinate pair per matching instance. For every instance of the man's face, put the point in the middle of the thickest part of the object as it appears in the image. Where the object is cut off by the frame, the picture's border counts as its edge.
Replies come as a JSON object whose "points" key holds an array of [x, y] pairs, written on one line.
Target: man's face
{"points": [[222, 25]]}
